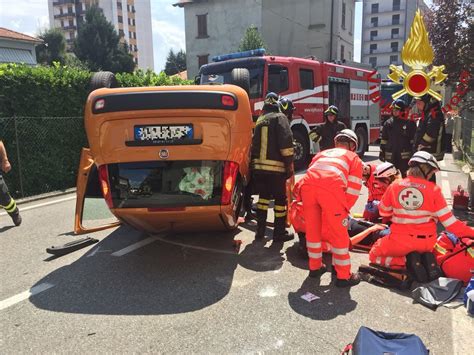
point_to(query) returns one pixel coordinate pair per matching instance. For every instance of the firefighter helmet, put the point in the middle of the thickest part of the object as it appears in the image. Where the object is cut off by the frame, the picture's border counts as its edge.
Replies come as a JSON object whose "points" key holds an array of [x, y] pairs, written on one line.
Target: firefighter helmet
{"points": [[385, 170], [271, 101], [399, 104], [332, 110], [347, 135], [423, 157], [286, 106]]}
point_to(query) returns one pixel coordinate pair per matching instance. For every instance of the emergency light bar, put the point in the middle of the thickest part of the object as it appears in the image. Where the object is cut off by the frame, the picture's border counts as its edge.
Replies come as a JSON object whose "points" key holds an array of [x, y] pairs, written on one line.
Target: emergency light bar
{"points": [[252, 53]]}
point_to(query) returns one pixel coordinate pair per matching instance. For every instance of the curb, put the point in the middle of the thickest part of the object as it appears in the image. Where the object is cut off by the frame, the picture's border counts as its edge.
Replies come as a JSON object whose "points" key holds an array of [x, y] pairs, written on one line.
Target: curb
{"points": [[45, 196]]}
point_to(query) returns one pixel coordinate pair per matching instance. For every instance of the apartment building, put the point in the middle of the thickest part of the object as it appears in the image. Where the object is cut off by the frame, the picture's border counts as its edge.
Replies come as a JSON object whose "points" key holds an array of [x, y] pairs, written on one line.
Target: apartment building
{"points": [[131, 19], [320, 28], [385, 28]]}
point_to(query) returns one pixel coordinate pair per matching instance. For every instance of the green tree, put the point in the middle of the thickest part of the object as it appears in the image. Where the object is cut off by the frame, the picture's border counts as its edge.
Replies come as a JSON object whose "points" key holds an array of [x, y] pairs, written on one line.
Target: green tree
{"points": [[175, 62], [98, 44], [252, 40], [451, 35], [53, 48]]}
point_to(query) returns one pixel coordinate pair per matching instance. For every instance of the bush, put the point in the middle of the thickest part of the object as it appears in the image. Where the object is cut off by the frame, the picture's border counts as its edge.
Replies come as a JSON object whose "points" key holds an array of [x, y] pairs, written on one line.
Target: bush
{"points": [[41, 122]]}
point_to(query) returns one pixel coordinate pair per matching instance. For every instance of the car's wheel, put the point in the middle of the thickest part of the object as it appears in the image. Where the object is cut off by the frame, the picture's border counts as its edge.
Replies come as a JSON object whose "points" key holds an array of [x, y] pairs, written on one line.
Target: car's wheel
{"points": [[363, 141], [241, 78], [301, 145], [103, 79]]}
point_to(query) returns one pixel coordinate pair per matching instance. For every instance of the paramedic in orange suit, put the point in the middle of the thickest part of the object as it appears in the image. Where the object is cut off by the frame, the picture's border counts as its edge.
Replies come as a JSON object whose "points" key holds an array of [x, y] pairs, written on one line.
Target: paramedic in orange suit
{"points": [[331, 187], [414, 205]]}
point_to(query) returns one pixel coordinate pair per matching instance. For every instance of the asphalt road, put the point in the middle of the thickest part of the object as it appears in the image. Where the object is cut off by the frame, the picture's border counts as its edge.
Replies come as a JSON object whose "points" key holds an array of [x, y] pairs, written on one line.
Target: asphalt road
{"points": [[191, 293]]}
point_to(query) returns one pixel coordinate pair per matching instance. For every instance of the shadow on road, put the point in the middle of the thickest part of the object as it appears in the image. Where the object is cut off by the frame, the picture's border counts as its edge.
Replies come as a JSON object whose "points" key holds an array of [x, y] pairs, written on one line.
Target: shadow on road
{"points": [[160, 278], [4, 229], [332, 301]]}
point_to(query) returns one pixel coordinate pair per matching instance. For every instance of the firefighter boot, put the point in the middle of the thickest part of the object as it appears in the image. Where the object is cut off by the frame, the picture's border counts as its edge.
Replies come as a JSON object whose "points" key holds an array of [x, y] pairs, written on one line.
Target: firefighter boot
{"points": [[261, 224], [415, 267], [319, 272], [280, 234], [351, 281], [431, 266], [16, 218]]}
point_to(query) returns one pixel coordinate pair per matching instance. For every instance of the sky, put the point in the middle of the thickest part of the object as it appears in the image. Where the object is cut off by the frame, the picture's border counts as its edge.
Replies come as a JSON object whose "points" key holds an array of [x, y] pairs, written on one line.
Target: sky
{"points": [[29, 16]]}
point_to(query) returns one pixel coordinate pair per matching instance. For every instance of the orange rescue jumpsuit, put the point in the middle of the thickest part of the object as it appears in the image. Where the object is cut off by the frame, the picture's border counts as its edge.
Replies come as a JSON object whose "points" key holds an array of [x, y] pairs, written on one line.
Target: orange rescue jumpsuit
{"points": [[414, 205], [331, 187]]}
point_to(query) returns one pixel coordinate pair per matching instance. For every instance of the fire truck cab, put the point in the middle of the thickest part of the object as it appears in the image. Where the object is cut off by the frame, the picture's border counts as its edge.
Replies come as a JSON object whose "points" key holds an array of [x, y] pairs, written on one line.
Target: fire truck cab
{"points": [[312, 86]]}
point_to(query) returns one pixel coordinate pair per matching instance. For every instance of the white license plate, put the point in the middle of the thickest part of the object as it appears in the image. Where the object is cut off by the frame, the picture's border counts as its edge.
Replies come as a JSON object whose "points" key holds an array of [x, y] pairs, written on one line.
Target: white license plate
{"points": [[163, 132]]}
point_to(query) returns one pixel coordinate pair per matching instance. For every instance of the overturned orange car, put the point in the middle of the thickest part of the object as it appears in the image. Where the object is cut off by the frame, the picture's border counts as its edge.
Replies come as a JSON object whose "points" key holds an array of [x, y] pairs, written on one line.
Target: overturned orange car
{"points": [[166, 159]]}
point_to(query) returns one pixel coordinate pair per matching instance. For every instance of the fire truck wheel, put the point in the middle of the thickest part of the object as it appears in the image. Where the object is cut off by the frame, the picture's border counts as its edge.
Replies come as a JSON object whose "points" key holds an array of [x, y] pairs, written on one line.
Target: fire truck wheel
{"points": [[103, 79], [241, 78], [301, 149], [363, 141]]}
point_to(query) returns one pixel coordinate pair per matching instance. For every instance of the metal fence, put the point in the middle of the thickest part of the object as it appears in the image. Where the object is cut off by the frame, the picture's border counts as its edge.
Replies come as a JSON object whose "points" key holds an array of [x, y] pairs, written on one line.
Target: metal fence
{"points": [[464, 136], [44, 153]]}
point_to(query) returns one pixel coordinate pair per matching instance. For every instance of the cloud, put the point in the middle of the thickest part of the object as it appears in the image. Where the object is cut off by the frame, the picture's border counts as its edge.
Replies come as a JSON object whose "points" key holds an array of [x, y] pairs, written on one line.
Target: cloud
{"points": [[24, 16], [166, 36]]}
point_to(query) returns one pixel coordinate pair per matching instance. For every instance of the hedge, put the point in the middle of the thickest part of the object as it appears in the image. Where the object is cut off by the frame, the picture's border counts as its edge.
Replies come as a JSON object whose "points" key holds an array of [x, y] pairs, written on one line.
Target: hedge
{"points": [[41, 122]]}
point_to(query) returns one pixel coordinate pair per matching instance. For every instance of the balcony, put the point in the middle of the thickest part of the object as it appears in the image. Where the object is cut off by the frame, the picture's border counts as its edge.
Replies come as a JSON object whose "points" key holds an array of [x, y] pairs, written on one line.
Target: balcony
{"points": [[63, 2], [69, 27], [65, 15]]}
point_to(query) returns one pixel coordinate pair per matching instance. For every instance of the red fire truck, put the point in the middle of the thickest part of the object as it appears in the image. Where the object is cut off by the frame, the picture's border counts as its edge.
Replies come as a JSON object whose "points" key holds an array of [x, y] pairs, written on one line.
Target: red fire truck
{"points": [[312, 86]]}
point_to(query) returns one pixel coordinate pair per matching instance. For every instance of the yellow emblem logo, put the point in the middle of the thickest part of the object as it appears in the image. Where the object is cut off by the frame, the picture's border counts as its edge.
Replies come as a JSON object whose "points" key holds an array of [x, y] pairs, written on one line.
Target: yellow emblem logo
{"points": [[417, 53]]}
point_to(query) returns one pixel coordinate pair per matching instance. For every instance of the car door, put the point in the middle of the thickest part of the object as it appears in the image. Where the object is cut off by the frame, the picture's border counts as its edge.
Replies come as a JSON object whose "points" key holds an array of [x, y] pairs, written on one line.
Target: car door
{"points": [[92, 213]]}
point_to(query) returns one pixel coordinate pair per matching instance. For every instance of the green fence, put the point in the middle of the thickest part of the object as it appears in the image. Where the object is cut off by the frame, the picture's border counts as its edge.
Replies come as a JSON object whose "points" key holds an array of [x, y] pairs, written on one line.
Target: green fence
{"points": [[44, 153]]}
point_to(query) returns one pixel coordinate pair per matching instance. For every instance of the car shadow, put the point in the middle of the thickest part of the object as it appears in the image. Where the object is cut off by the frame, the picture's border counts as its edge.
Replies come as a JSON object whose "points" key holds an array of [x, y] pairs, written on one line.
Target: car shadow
{"points": [[332, 302], [161, 278]]}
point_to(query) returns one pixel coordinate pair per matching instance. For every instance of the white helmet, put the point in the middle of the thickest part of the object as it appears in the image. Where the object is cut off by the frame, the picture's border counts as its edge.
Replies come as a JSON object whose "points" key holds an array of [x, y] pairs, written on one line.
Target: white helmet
{"points": [[385, 170], [423, 157], [347, 134]]}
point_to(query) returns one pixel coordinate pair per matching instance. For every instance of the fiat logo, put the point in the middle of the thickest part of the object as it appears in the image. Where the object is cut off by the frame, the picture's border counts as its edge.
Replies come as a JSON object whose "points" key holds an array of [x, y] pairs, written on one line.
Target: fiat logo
{"points": [[164, 153]]}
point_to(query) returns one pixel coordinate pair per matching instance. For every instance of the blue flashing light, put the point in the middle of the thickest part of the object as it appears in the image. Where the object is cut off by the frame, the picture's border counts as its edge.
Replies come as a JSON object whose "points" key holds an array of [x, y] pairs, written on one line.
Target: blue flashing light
{"points": [[252, 53]]}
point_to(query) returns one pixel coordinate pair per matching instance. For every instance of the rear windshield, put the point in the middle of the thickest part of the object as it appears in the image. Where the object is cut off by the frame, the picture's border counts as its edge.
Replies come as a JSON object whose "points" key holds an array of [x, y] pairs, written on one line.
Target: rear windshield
{"points": [[166, 184]]}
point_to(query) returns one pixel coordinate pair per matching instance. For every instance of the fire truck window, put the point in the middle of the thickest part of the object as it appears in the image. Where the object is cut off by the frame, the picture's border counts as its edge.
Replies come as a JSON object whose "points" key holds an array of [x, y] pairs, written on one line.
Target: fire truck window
{"points": [[277, 79], [306, 79]]}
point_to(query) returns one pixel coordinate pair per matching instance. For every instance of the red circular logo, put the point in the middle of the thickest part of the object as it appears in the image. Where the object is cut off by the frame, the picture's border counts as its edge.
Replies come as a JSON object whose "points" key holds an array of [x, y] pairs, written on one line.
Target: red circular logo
{"points": [[417, 83]]}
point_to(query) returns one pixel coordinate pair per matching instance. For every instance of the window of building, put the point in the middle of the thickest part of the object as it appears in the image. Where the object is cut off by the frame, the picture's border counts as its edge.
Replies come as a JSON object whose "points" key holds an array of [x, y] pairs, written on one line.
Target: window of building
{"points": [[373, 35], [342, 52], [130, 47], [373, 48], [120, 19], [343, 18], [69, 9], [121, 33], [133, 21], [306, 79], [394, 59], [62, 23], [129, 21], [61, 11], [375, 8], [202, 26], [396, 5], [278, 78], [395, 19], [374, 21], [394, 46], [88, 6], [119, 5], [373, 61], [203, 60], [135, 48], [71, 23], [130, 34], [134, 35], [133, 8], [395, 33], [128, 7], [71, 35]]}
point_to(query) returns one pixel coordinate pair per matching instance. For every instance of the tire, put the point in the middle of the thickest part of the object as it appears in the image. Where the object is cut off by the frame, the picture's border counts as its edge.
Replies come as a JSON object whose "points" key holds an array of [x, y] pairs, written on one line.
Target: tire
{"points": [[103, 79], [301, 149], [241, 78], [363, 141]]}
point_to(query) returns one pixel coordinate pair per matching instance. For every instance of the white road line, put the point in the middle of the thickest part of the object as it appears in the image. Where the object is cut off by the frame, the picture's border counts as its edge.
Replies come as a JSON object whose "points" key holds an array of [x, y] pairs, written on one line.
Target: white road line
{"points": [[196, 247], [444, 174], [442, 164], [22, 209], [135, 246], [446, 189], [24, 295]]}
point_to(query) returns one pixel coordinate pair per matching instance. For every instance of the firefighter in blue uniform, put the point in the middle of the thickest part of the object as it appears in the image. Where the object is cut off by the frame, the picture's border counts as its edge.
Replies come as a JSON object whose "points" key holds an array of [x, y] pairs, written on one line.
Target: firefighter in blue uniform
{"points": [[272, 163]]}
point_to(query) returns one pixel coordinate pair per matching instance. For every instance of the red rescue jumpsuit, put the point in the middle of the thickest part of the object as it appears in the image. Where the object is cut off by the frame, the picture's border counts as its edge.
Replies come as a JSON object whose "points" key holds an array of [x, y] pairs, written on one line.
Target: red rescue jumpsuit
{"points": [[414, 205], [376, 190], [331, 187]]}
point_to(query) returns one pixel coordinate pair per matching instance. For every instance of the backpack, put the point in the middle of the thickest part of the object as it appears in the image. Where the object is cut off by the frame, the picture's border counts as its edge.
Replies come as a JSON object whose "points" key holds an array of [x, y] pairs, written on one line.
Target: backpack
{"points": [[455, 256]]}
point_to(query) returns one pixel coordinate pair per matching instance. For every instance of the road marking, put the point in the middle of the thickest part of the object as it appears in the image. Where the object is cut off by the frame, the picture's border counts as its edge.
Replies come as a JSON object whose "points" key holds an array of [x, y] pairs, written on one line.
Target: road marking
{"points": [[43, 204], [196, 247], [444, 174], [135, 246], [442, 164], [446, 189], [24, 295]]}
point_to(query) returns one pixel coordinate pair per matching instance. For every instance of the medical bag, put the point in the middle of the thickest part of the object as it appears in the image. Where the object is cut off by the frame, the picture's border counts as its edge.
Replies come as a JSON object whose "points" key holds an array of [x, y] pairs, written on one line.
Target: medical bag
{"points": [[460, 199]]}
